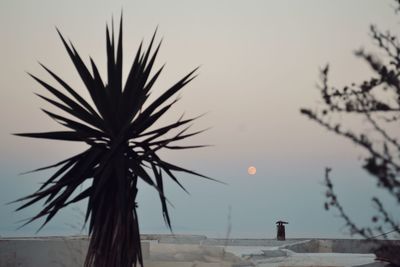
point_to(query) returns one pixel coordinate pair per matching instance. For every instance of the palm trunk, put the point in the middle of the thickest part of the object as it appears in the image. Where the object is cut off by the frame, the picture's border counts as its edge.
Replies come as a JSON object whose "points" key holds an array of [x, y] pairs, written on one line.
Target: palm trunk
{"points": [[114, 233]]}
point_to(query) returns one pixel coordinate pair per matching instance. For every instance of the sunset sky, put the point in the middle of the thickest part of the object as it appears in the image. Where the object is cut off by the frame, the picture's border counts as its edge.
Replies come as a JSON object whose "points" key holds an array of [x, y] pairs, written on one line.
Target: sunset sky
{"points": [[260, 64]]}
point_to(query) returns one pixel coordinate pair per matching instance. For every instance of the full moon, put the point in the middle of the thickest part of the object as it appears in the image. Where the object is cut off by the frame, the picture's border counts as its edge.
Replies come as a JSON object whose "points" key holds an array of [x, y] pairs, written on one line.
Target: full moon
{"points": [[251, 170]]}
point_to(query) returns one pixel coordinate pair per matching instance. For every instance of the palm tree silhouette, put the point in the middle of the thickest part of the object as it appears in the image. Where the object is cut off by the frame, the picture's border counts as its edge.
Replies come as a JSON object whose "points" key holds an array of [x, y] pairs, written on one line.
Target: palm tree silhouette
{"points": [[121, 150]]}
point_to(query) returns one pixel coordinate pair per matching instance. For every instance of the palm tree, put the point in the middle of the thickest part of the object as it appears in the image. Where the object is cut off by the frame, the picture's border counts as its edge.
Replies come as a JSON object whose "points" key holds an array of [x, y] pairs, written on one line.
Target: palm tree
{"points": [[121, 150]]}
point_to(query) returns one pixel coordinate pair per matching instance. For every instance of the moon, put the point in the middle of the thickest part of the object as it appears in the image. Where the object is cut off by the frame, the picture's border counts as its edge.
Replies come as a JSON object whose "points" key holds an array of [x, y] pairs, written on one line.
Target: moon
{"points": [[251, 170]]}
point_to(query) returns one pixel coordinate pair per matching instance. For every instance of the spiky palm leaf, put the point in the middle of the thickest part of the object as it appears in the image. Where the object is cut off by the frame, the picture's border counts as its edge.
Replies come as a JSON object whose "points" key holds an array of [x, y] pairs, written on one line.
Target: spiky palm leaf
{"points": [[121, 150]]}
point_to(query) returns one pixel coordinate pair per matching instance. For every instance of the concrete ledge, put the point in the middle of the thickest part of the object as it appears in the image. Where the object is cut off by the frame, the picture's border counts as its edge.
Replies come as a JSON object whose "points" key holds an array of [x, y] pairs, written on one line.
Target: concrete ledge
{"points": [[275, 253], [338, 246]]}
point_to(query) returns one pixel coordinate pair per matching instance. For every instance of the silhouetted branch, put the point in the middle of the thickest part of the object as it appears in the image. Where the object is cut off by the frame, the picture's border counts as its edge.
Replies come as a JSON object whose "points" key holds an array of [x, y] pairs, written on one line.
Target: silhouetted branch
{"points": [[382, 131], [378, 100], [361, 140], [333, 202]]}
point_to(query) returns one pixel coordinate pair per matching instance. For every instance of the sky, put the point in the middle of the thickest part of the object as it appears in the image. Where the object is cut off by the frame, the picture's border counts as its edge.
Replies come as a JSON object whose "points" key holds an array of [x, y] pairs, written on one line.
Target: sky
{"points": [[259, 64]]}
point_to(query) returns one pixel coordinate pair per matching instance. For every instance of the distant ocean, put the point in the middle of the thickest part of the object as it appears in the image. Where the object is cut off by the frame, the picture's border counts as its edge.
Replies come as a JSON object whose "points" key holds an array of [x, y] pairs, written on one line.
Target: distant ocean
{"points": [[63, 231]]}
